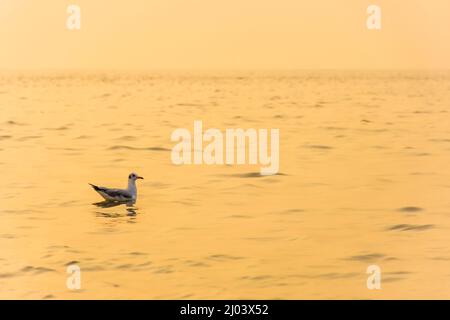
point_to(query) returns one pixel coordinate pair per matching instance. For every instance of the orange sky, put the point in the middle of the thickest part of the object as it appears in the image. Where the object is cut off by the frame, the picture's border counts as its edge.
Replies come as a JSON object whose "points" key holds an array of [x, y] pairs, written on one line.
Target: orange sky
{"points": [[218, 34]]}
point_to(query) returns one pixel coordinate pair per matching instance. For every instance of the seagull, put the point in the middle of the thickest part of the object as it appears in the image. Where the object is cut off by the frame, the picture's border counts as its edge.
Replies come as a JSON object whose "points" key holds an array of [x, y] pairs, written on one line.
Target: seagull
{"points": [[128, 194]]}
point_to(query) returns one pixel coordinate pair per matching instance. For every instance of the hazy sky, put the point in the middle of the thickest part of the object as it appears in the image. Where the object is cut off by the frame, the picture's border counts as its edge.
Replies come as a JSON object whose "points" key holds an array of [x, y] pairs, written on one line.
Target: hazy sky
{"points": [[217, 34]]}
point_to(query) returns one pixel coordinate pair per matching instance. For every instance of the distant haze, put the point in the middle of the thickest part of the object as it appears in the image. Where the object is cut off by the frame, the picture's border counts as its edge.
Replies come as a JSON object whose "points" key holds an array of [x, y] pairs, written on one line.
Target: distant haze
{"points": [[224, 34]]}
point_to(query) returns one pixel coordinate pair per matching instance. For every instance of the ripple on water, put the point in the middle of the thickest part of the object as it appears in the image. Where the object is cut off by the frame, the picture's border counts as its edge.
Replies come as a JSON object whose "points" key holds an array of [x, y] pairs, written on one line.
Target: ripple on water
{"points": [[223, 257], [410, 209], [196, 264], [126, 138], [254, 175], [238, 216], [21, 211], [439, 140], [367, 257], [14, 123], [137, 253], [71, 263], [36, 270], [289, 211], [7, 236], [147, 265], [318, 147], [7, 275], [125, 147], [326, 276], [410, 227], [26, 138], [61, 128], [164, 269], [257, 278], [83, 137]]}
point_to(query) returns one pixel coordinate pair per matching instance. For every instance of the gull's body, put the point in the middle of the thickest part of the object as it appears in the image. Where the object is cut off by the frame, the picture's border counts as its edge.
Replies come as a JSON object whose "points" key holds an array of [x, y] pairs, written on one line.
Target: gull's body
{"points": [[128, 194]]}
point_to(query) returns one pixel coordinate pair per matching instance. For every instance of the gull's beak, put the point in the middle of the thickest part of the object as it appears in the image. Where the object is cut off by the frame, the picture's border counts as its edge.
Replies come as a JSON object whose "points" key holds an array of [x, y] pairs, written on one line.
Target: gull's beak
{"points": [[140, 178]]}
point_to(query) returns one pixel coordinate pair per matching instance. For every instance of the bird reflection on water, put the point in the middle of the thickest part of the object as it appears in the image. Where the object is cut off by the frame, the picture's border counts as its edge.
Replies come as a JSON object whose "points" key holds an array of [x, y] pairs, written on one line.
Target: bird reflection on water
{"points": [[131, 210]]}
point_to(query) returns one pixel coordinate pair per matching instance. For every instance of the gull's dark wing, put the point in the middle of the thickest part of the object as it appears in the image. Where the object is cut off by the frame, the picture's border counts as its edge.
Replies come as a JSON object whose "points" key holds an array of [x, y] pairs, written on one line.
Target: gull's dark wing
{"points": [[115, 193]]}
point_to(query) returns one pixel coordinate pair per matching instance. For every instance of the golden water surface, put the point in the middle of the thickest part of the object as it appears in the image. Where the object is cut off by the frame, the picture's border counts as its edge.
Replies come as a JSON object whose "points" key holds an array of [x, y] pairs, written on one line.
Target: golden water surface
{"points": [[364, 180]]}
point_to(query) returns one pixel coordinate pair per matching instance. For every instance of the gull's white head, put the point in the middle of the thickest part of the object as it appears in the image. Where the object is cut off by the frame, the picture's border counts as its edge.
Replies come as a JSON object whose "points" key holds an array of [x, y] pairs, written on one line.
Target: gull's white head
{"points": [[134, 176]]}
